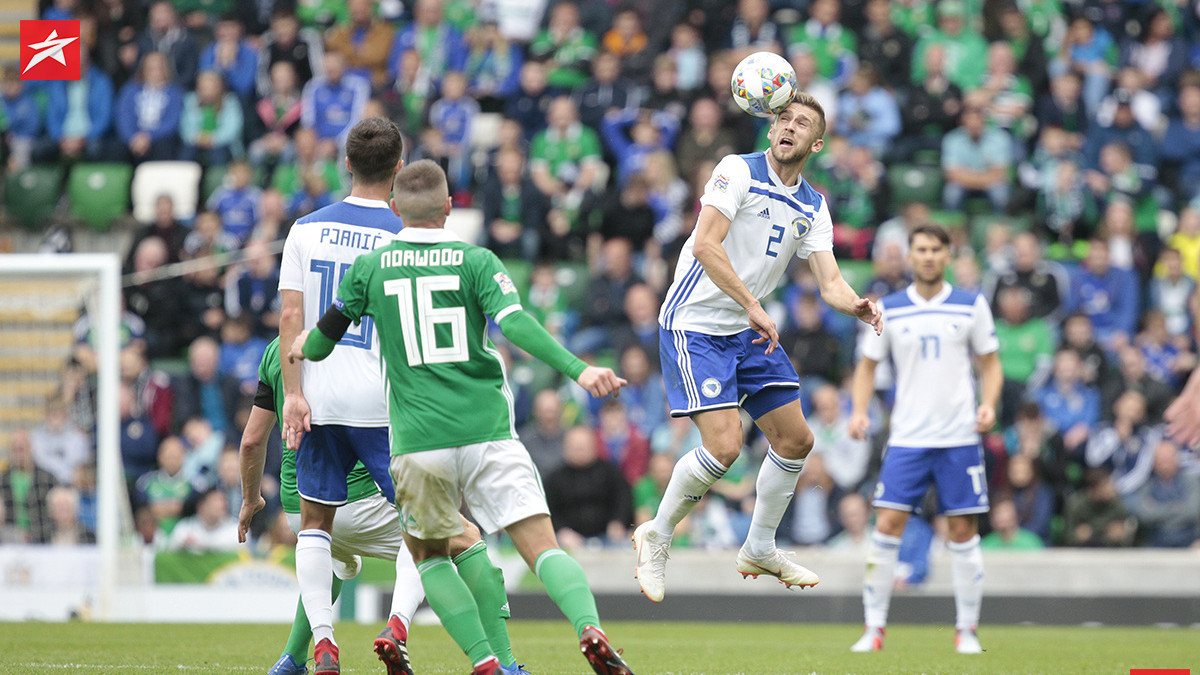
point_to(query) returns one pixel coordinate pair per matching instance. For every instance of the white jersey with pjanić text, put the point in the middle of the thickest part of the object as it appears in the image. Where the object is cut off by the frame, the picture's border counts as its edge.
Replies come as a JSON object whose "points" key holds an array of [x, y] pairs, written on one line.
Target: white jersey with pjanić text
{"points": [[769, 223], [931, 344], [347, 387]]}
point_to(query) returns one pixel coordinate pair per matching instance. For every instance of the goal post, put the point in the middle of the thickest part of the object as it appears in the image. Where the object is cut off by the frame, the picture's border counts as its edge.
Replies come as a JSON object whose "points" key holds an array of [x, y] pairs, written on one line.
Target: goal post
{"points": [[99, 291]]}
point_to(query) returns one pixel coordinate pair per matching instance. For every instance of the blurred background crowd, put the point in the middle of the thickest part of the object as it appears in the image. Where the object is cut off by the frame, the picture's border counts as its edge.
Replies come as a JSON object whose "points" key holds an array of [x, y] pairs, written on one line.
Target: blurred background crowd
{"points": [[1059, 142]]}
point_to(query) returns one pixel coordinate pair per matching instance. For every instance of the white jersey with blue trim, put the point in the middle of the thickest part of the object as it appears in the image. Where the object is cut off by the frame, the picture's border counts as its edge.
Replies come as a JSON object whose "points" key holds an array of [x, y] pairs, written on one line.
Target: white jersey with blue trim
{"points": [[347, 387], [931, 344], [769, 223]]}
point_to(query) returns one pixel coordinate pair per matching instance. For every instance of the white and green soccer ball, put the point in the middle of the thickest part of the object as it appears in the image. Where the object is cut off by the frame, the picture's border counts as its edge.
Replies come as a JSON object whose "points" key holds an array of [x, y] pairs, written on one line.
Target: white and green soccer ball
{"points": [[763, 84]]}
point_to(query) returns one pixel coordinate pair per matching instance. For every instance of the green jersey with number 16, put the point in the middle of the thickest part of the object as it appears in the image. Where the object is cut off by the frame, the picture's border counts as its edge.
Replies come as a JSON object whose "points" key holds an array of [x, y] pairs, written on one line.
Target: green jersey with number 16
{"points": [[430, 294]]}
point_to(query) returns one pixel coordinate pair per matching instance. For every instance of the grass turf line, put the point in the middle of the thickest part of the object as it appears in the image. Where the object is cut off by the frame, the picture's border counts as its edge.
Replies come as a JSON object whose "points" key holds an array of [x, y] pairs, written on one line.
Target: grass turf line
{"points": [[550, 648]]}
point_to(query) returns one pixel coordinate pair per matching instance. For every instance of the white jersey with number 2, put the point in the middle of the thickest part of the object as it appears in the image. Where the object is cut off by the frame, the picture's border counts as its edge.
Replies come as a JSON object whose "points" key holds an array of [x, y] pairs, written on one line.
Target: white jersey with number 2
{"points": [[347, 387], [769, 223]]}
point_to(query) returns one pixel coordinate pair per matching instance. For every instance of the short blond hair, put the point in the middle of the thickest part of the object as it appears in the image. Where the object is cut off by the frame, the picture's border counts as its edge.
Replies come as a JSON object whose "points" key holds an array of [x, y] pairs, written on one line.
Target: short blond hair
{"points": [[809, 101], [420, 191]]}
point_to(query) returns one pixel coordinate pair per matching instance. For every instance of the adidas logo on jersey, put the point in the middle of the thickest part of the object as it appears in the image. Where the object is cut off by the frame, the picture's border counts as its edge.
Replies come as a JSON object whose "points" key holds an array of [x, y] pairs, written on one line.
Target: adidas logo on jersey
{"points": [[765, 213]]}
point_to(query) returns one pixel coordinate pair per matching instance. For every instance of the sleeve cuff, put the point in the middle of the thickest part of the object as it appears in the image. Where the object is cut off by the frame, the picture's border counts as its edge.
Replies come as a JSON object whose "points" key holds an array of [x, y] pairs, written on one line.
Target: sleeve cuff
{"points": [[506, 311]]}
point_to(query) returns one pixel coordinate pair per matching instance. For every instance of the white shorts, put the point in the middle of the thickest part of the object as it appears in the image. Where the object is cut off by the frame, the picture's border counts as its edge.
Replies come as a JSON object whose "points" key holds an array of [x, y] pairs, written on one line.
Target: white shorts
{"points": [[497, 480], [369, 526]]}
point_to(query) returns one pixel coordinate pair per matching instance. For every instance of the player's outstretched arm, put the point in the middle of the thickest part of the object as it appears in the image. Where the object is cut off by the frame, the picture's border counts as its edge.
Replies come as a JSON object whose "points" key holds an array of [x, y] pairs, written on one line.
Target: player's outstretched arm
{"points": [[991, 382], [839, 295], [861, 389], [711, 229], [526, 333], [253, 452]]}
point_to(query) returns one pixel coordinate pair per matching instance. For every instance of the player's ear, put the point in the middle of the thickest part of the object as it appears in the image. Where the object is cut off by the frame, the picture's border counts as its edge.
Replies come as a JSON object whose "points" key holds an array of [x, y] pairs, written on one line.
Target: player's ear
{"points": [[392, 203], [348, 166], [448, 206], [818, 144], [399, 165]]}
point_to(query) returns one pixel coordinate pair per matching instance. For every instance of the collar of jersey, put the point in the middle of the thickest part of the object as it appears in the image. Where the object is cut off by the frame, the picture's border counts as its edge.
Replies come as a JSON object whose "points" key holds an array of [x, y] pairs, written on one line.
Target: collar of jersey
{"points": [[935, 300], [369, 203], [426, 235], [778, 182]]}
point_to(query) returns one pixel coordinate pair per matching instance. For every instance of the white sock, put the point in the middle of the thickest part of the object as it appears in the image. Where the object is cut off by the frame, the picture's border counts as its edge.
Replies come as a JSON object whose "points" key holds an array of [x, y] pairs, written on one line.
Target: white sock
{"points": [[408, 593], [774, 490], [877, 583], [966, 567], [694, 473], [314, 571]]}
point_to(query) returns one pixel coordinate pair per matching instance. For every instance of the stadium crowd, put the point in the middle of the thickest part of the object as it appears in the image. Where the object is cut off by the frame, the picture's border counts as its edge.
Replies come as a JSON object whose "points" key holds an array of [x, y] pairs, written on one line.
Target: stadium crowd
{"points": [[1059, 142]]}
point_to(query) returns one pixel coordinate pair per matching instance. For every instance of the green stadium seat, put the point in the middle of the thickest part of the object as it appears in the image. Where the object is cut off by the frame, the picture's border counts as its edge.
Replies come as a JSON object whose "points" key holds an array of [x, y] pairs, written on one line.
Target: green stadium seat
{"points": [[31, 195], [573, 279], [910, 182], [99, 193], [519, 271], [857, 273], [213, 177]]}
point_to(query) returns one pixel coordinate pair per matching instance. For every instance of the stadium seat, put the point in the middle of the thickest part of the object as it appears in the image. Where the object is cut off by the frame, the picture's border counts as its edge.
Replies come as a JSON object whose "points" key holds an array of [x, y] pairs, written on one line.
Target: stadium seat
{"points": [[214, 175], [519, 271], [857, 273], [99, 193], [180, 180], [485, 130], [909, 182], [466, 223], [573, 279], [31, 195]]}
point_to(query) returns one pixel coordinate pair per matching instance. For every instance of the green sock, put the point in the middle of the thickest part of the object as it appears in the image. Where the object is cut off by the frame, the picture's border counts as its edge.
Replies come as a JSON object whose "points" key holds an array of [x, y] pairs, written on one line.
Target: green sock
{"points": [[452, 602], [301, 635], [486, 582], [567, 586]]}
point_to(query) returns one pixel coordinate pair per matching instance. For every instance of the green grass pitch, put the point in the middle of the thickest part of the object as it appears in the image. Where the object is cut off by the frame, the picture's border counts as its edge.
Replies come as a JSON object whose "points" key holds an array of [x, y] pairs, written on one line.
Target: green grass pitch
{"points": [[549, 648]]}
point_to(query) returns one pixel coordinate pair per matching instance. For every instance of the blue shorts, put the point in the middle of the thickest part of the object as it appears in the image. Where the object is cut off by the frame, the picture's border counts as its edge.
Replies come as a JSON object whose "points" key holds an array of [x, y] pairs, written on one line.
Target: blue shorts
{"points": [[327, 454], [957, 473], [709, 372]]}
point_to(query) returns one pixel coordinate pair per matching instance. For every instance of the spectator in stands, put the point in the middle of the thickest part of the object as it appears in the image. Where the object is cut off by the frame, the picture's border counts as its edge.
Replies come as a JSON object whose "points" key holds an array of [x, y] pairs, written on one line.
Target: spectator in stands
{"points": [[236, 200], [439, 44], [929, 110], [1124, 129], [289, 176], [648, 490], [628, 41], [1171, 292], [1064, 109], [24, 121], [743, 126], [493, 65], [211, 529], [1187, 239], [531, 102], [153, 396], [894, 231], [62, 503], [1169, 356], [867, 112], [204, 391], [627, 214], [845, 459], [664, 94], [587, 496], [322, 14], [79, 115], [1167, 506], [670, 198], [686, 51], [703, 139], [853, 516], [1134, 376], [279, 115], [1105, 294], [1125, 447], [514, 211], [883, 46], [229, 480], [1033, 499], [165, 489], [814, 350], [332, 103], [564, 159], [543, 434], [1181, 144], [890, 271], [1147, 108], [965, 50], [1096, 516], [1028, 42], [253, 290], [165, 35], [158, 303], [753, 30], [452, 115], [565, 45], [208, 237], [232, 56], [831, 44], [204, 446], [1008, 96], [620, 441], [1071, 407], [1158, 54], [975, 161], [1027, 345], [1044, 283], [58, 445], [810, 520], [643, 399], [211, 123], [1007, 533], [613, 274], [364, 41], [241, 352], [139, 440], [1079, 335], [1090, 51], [24, 491], [288, 42], [640, 327], [631, 135], [148, 111]]}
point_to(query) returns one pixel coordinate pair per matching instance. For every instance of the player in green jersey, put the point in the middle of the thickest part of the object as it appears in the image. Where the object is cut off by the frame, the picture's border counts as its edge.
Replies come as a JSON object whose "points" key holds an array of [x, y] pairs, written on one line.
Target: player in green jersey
{"points": [[453, 435], [367, 525]]}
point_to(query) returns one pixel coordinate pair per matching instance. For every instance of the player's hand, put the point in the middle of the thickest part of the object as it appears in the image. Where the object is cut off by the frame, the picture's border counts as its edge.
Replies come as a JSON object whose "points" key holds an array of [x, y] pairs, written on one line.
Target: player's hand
{"points": [[297, 419], [868, 312], [249, 508], [762, 324], [601, 382], [296, 353], [858, 426], [1183, 415], [985, 418]]}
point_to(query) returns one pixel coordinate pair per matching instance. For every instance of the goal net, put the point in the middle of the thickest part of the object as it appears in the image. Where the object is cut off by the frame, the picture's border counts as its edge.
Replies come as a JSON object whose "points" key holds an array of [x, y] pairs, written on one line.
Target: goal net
{"points": [[59, 342]]}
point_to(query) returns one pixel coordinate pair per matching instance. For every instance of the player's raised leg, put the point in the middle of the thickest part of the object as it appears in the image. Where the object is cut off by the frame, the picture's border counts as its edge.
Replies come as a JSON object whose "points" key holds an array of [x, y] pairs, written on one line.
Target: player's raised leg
{"points": [[778, 414]]}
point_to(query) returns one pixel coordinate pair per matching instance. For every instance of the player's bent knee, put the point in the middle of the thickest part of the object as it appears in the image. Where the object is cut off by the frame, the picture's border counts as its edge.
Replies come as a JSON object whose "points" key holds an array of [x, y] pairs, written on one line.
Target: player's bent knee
{"points": [[795, 447]]}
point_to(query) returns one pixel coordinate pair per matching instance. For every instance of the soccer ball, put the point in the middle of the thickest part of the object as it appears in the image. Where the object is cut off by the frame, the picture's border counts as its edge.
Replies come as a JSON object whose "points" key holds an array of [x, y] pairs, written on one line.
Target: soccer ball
{"points": [[763, 84]]}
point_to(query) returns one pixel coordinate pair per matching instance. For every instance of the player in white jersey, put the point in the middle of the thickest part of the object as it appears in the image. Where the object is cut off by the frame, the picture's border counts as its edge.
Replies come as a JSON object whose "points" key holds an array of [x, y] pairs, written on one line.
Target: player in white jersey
{"points": [[720, 350], [335, 412], [933, 329]]}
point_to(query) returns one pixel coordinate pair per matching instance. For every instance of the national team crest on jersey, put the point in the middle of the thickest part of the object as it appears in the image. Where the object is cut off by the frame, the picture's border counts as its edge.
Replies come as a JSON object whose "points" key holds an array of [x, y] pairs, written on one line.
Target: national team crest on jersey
{"points": [[711, 388], [955, 327], [800, 227], [506, 284]]}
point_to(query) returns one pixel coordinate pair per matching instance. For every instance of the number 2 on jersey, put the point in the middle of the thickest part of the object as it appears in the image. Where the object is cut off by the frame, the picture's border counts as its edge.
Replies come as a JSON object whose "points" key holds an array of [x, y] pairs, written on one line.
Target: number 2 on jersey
{"points": [[775, 239], [427, 318], [324, 268]]}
